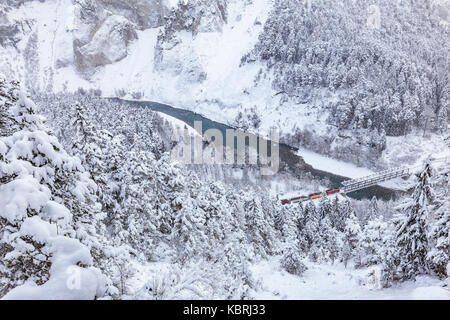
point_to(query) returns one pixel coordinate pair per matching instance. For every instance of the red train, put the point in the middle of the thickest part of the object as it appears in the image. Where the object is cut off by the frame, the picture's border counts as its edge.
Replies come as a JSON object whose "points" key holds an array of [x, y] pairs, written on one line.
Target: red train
{"points": [[310, 197], [332, 191]]}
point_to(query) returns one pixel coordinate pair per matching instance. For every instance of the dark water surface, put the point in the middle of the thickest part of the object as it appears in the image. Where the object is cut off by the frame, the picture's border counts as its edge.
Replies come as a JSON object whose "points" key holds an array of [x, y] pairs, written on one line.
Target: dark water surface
{"points": [[288, 155]]}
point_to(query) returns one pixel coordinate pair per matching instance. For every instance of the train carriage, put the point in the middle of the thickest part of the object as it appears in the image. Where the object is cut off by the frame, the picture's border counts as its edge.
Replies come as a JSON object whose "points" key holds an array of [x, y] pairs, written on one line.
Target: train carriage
{"points": [[332, 191], [315, 195]]}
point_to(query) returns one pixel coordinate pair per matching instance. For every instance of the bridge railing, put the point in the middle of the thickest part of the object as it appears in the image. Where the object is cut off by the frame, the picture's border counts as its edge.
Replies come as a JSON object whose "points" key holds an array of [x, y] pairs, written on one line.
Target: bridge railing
{"points": [[371, 180], [374, 179], [381, 174]]}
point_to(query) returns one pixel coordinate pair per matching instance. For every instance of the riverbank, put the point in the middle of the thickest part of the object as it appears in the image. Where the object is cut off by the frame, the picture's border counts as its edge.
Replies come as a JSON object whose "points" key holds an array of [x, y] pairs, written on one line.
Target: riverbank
{"points": [[348, 170], [318, 166]]}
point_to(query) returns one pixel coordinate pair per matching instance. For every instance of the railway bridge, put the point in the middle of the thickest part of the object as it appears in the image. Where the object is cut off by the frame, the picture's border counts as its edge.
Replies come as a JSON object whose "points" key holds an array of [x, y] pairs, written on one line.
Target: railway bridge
{"points": [[375, 179], [360, 183]]}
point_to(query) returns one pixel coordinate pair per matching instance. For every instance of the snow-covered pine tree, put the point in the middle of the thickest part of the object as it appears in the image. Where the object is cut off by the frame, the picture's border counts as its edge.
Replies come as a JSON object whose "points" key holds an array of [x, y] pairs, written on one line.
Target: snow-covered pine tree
{"points": [[300, 223], [293, 255], [412, 227], [70, 186], [115, 157], [9, 94], [169, 193], [325, 208], [311, 232], [87, 146], [286, 221], [389, 259], [299, 213], [180, 211], [37, 230], [352, 235], [235, 261], [373, 242], [188, 234], [236, 252], [218, 217], [439, 256], [259, 228], [280, 218], [270, 207], [331, 240], [335, 214], [344, 212], [292, 260], [138, 221], [328, 234], [226, 245], [157, 146], [373, 211]]}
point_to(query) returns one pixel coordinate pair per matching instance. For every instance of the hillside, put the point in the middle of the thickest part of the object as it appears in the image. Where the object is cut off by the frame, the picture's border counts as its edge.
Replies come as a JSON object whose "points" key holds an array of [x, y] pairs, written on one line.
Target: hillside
{"points": [[99, 200], [345, 73]]}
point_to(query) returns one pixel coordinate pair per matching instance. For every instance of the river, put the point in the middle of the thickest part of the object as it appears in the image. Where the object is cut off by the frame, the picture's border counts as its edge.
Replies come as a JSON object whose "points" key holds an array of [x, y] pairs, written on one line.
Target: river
{"points": [[288, 154]]}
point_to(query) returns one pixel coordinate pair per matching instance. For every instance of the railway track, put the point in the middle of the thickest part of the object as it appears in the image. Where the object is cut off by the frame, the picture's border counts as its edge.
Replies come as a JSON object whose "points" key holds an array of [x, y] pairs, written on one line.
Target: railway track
{"points": [[360, 183]]}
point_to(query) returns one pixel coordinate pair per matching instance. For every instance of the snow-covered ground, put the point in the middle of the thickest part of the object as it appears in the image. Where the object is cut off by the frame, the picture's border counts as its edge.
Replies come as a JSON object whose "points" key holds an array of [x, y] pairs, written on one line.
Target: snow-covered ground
{"points": [[336, 282], [227, 89], [218, 54], [165, 281], [341, 168], [319, 282], [413, 149]]}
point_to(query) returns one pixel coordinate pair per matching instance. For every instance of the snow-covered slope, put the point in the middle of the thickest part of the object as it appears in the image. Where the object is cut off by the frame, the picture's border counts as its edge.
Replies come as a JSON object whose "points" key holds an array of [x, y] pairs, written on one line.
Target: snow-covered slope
{"points": [[333, 282], [130, 68], [187, 54], [218, 54]]}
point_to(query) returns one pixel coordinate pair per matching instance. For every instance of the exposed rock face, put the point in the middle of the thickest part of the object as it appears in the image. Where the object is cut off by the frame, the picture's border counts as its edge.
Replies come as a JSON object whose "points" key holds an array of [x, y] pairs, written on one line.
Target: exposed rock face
{"points": [[10, 31], [195, 16], [143, 13], [17, 3], [180, 61], [102, 30], [108, 26], [108, 44], [213, 16]]}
